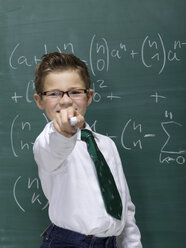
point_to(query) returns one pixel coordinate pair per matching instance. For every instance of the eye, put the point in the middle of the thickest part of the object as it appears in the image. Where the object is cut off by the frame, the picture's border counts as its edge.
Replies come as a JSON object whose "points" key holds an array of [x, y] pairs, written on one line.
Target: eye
{"points": [[75, 92], [53, 93]]}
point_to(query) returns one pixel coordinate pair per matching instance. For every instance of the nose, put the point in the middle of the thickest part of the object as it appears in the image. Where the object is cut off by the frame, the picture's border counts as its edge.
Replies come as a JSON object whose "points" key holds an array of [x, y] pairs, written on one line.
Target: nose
{"points": [[65, 100]]}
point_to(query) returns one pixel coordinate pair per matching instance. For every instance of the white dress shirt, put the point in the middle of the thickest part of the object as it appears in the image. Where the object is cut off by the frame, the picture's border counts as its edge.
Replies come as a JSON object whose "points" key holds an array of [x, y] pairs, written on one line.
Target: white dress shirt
{"points": [[69, 181]]}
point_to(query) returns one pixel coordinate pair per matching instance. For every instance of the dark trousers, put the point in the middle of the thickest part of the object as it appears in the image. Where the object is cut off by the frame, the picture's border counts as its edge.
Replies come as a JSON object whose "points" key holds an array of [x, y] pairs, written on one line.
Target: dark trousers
{"points": [[56, 237]]}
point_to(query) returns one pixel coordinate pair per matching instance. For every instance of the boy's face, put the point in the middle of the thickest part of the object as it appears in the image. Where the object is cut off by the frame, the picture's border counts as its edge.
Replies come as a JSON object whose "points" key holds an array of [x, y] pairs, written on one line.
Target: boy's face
{"points": [[63, 81]]}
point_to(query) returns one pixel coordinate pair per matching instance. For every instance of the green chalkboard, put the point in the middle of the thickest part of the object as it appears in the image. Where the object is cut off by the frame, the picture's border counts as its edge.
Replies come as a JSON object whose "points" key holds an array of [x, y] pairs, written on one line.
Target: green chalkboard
{"points": [[136, 53]]}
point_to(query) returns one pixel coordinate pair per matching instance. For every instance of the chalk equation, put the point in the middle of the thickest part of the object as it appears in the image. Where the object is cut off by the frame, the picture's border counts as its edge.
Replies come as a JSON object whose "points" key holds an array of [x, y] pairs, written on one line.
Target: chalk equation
{"points": [[32, 187], [28, 96], [158, 53], [98, 86], [168, 153], [20, 143], [152, 50], [15, 60], [133, 137]]}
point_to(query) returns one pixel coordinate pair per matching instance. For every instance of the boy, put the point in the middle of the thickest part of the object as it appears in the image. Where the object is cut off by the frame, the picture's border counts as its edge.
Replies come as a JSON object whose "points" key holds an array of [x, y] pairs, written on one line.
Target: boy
{"points": [[77, 208]]}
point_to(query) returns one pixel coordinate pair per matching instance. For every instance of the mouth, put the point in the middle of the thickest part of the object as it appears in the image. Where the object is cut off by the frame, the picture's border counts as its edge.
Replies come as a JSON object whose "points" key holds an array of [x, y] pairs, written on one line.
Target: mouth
{"points": [[58, 111]]}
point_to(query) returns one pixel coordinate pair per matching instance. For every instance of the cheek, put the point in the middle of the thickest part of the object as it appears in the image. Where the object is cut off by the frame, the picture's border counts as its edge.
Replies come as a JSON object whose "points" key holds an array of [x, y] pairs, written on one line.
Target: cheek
{"points": [[81, 103], [81, 106], [50, 110], [49, 107]]}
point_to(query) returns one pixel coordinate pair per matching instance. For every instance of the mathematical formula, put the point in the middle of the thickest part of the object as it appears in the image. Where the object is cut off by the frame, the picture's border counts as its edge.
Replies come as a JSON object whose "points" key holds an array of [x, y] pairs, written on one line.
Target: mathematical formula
{"points": [[32, 186], [166, 155], [152, 51]]}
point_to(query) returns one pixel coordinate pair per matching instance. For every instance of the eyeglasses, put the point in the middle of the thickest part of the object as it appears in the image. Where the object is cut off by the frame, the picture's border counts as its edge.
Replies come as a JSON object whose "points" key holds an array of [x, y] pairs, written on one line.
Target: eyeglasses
{"points": [[57, 94]]}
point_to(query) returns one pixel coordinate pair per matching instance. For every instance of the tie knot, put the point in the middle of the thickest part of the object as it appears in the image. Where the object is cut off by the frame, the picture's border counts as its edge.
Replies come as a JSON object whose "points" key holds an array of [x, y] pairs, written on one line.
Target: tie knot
{"points": [[85, 134]]}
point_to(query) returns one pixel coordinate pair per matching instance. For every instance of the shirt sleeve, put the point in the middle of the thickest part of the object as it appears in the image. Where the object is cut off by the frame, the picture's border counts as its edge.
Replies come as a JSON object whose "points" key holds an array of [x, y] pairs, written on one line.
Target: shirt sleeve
{"points": [[130, 236], [51, 148]]}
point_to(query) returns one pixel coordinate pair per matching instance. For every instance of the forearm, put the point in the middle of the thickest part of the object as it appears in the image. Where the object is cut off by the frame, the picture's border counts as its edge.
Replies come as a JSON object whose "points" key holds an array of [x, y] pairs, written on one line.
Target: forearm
{"points": [[51, 148]]}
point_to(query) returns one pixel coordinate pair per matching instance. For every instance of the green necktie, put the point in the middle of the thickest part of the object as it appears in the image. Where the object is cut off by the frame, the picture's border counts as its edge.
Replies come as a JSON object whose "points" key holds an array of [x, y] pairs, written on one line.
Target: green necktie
{"points": [[107, 184]]}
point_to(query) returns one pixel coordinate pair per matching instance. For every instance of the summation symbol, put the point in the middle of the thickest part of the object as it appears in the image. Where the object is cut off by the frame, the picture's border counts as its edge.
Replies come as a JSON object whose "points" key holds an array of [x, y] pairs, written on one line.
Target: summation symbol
{"points": [[168, 155]]}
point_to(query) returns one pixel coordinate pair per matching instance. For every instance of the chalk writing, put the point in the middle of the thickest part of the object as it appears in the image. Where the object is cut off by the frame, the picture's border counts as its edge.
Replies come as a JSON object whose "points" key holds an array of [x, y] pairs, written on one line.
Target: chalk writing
{"points": [[157, 97], [99, 85], [30, 87], [28, 96], [137, 128], [15, 97], [100, 47], [151, 51], [15, 60], [23, 145], [35, 195], [168, 153], [159, 47], [18, 143]]}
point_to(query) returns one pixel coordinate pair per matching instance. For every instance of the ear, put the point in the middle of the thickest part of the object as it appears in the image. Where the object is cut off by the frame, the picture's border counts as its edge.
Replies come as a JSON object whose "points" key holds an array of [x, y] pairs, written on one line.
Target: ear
{"points": [[90, 96], [39, 101]]}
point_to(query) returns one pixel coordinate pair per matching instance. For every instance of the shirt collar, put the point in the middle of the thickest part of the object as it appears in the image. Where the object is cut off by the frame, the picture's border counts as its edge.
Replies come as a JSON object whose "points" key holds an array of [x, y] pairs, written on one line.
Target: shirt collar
{"points": [[86, 127]]}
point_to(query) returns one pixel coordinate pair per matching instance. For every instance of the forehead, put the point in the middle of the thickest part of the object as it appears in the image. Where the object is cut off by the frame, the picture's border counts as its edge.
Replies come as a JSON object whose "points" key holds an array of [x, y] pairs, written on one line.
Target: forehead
{"points": [[63, 80]]}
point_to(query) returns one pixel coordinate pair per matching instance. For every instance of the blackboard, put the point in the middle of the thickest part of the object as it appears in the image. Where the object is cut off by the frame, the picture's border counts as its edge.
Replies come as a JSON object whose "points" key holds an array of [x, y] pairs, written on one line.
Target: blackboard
{"points": [[136, 53]]}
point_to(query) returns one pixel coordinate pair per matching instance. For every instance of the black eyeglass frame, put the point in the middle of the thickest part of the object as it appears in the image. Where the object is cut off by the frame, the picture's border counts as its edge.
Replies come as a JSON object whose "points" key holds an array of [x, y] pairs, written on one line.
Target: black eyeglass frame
{"points": [[62, 92]]}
